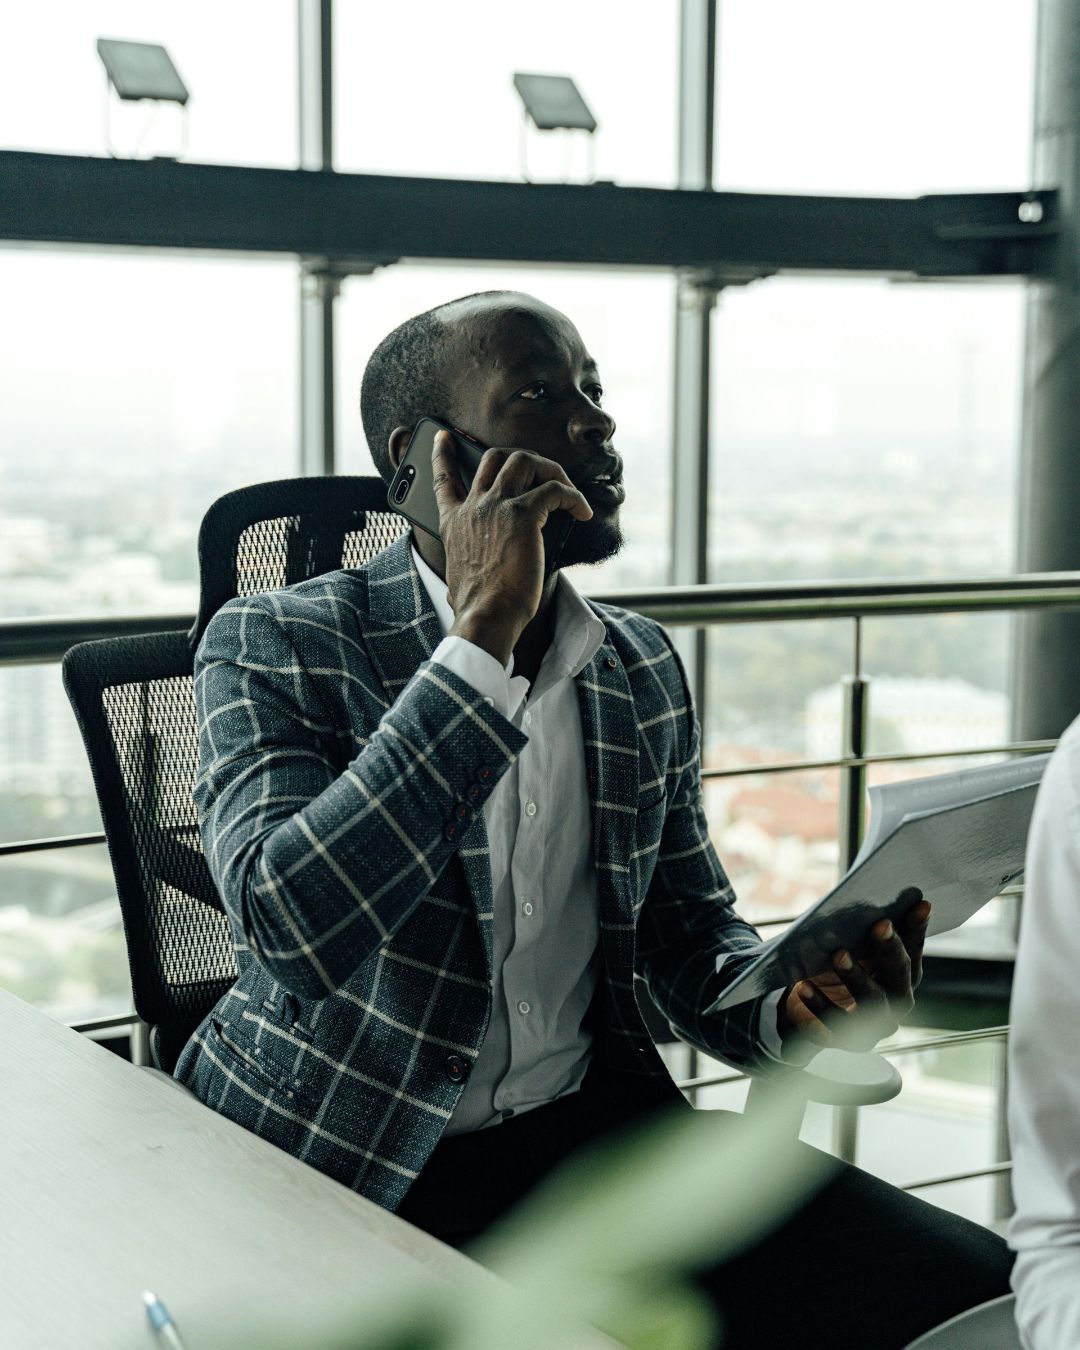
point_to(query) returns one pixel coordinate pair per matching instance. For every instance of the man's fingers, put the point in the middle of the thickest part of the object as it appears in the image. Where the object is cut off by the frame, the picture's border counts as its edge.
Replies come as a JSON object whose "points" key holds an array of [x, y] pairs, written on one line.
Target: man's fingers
{"points": [[449, 489], [807, 1010], [912, 929], [490, 464], [870, 999], [889, 957], [555, 496], [522, 470]]}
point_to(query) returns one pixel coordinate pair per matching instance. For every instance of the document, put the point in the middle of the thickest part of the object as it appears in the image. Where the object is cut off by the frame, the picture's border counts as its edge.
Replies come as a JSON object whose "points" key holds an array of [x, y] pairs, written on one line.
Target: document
{"points": [[958, 838]]}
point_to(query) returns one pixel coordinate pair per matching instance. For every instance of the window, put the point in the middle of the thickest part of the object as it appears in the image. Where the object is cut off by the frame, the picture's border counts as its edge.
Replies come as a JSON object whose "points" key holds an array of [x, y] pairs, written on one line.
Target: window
{"points": [[845, 97], [239, 64], [864, 428], [135, 390], [426, 89]]}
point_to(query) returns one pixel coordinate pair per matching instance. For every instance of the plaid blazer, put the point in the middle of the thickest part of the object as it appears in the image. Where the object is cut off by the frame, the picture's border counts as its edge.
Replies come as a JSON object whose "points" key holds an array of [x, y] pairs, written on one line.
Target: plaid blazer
{"points": [[340, 794]]}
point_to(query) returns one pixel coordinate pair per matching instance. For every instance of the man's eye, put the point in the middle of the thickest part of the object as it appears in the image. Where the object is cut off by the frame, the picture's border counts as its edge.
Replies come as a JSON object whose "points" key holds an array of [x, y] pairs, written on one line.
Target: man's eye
{"points": [[534, 391], [596, 393]]}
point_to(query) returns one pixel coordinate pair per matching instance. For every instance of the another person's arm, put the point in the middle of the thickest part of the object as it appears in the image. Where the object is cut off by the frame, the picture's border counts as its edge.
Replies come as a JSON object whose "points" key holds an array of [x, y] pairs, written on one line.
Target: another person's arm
{"points": [[1044, 1065]]}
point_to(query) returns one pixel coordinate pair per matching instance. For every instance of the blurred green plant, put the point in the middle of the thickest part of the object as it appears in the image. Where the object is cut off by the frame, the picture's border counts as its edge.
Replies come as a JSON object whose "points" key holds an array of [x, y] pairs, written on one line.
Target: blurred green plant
{"points": [[604, 1252]]}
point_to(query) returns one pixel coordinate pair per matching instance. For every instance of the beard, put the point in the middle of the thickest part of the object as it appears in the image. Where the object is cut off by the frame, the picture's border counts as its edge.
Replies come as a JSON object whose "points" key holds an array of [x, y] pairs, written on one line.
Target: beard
{"points": [[592, 541]]}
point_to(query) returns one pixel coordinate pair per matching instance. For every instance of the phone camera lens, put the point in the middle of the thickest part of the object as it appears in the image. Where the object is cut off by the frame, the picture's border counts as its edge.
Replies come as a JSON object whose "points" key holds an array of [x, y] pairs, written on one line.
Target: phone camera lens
{"points": [[401, 491]]}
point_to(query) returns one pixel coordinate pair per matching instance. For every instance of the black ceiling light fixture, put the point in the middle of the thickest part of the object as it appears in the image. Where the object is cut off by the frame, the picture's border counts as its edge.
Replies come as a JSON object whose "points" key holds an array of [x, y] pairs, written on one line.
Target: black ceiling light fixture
{"points": [[554, 103], [141, 72]]}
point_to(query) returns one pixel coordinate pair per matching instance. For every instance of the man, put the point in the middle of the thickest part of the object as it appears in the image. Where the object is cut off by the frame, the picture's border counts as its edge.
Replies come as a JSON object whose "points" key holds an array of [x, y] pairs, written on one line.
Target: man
{"points": [[453, 809]]}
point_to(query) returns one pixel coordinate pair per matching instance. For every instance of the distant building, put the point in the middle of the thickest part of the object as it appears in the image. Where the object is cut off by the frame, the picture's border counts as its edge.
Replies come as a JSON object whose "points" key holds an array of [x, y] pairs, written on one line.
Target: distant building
{"points": [[912, 714]]}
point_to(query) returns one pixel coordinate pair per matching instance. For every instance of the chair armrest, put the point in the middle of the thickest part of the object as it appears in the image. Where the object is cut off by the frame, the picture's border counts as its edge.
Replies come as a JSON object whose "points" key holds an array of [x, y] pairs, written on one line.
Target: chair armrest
{"points": [[834, 1077]]}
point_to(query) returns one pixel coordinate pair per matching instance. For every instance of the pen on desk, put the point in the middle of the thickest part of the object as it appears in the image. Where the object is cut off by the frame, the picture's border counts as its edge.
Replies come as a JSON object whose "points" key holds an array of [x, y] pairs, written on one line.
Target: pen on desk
{"points": [[162, 1323]]}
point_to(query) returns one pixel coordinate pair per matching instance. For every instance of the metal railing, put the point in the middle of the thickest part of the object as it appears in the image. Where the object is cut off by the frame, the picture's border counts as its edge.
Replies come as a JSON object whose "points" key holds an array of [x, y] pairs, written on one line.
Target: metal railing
{"points": [[36, 641]]}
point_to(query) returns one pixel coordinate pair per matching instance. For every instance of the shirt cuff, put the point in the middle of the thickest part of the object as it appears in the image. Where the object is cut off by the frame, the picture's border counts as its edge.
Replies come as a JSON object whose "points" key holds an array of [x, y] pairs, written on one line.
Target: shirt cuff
{"points": [[488, 677], [768, 1033], [768, 1028]]}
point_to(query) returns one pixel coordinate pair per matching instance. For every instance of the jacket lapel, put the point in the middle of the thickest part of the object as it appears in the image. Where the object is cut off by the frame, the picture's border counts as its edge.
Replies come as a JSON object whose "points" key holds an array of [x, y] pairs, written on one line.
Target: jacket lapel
{"points": [[400, 632], [611, 766]]}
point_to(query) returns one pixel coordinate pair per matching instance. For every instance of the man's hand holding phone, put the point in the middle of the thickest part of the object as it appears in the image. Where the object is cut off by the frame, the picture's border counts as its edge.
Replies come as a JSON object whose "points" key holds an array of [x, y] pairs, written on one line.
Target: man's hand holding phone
{"points": [[492, 538]]}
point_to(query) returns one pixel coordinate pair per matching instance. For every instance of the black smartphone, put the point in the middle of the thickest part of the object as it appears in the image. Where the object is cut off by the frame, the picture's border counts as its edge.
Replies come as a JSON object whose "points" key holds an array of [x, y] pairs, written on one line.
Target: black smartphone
{"points": [[412, 492]]}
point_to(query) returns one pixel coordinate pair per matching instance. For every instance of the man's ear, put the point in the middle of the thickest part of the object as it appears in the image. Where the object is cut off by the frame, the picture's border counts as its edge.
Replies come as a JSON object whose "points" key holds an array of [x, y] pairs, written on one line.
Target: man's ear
{"points": [[398, 444]]}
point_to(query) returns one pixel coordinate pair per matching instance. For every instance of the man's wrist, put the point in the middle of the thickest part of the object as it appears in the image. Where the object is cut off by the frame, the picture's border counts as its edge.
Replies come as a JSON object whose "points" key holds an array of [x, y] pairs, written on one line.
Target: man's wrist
{"points": [[490, 632]]}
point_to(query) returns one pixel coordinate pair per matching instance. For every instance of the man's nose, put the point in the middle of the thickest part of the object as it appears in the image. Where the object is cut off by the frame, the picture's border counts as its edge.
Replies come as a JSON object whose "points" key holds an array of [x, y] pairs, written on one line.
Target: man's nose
{"points": [[591, 423]]}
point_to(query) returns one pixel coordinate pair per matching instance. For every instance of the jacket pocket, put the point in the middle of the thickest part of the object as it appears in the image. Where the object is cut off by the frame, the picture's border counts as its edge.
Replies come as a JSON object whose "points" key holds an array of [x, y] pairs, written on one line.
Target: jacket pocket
{"points": [[253, 1064]]}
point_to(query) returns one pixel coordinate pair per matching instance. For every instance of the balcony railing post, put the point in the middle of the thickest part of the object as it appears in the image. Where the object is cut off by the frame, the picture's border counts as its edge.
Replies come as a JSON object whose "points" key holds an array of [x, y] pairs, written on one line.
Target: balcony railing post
{"points": [[856, 720]]}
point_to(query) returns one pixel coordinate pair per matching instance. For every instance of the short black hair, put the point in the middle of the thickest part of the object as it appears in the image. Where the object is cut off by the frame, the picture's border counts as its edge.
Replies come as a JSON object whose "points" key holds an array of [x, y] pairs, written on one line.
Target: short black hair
{"points": [[404, 381]]}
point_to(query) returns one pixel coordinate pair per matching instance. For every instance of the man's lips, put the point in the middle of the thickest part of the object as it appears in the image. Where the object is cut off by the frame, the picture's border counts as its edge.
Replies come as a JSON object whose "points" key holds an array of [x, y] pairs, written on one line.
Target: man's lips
{"points": [[606, 491]]}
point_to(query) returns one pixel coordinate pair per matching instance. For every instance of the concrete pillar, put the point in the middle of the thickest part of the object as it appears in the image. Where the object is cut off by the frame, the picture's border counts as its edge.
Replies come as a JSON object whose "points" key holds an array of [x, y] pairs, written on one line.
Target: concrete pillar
{"points": [[1046, 670]]}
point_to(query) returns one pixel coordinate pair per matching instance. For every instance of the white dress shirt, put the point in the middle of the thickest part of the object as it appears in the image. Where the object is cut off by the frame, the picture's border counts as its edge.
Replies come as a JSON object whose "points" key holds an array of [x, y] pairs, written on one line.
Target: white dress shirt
{"points": [[545, 924], [1044, 1065]]}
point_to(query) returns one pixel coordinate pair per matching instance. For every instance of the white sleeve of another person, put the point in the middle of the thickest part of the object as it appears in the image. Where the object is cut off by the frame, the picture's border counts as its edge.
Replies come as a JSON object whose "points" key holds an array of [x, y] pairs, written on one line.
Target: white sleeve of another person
{"points": [[1044, 1066]]}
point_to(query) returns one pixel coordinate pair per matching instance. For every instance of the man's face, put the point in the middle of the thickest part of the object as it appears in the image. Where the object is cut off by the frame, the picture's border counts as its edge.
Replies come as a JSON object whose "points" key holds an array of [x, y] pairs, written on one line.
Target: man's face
{"points": [[521, 379]]}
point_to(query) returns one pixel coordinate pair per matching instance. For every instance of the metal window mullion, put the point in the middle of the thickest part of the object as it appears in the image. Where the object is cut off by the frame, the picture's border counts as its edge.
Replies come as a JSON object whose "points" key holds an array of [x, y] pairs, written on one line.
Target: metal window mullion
{"points": [[693, 319], [318, 285]]}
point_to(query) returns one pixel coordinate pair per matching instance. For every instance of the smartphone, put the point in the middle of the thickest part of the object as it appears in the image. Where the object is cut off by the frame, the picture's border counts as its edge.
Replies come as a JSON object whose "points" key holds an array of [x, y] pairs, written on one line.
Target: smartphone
{"points": [[412, 492]]}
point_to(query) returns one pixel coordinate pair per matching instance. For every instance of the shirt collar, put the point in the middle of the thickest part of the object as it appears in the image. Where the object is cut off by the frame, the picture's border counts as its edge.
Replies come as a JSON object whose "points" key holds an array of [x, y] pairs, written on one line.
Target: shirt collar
{"points": [[579, 633]]}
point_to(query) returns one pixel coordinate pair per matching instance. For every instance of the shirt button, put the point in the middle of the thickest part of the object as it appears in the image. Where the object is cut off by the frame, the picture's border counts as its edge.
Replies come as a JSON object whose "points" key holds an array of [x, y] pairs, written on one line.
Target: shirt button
{"points": [[530, 808], [523, 1007], [489, 701], [528, 719], [526, 908]]}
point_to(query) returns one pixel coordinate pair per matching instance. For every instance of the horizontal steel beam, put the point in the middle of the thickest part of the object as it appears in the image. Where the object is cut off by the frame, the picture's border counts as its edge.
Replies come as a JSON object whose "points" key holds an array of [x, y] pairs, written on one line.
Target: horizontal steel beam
{"points": [[351, 221]]}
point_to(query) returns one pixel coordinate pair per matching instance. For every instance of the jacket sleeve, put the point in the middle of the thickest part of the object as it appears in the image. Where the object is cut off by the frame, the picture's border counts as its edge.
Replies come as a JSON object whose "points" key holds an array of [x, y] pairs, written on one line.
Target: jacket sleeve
{"points": [[318, 868], [688, 920]]}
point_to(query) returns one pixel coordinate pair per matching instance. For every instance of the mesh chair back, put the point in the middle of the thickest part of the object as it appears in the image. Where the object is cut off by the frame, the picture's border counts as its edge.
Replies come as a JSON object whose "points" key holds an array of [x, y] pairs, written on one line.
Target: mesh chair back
{"points": [[134, 701], [133, 698], [274, 534]]}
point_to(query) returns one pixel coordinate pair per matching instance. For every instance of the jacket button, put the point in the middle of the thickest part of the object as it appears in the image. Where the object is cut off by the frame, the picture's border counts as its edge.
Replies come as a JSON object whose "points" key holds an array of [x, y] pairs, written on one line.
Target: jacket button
{"points": [[474, 793], [456, 1069], [484, 773], [462, 812], [450, 832]]}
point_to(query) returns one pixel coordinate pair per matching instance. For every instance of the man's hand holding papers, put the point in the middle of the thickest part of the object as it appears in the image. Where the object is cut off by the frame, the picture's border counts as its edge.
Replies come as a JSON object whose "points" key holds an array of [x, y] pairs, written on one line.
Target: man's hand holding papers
{"points": [[866, 994]]}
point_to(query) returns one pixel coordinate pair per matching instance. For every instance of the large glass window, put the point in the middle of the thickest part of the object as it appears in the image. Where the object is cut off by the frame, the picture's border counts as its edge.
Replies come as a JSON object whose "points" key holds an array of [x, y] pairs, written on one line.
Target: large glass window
{"points": [[626, 322], [426, 89], [133, 391], [864, 428], [848, 97], [238, 62]]}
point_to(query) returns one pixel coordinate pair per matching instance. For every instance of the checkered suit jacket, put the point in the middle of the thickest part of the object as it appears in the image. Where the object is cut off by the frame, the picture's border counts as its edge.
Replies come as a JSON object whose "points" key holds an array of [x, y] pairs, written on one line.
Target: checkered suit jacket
{"points": [[340, 794]]}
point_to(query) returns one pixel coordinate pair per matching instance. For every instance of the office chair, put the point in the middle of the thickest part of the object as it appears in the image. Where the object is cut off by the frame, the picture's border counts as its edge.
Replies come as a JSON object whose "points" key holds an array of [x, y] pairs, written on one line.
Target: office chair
{"points": [[990, 1326], [134, 701]]}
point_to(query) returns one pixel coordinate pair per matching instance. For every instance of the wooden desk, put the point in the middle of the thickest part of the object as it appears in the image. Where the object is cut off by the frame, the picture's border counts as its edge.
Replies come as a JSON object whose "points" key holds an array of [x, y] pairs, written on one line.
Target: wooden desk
{"points": [[114, 1180]]}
